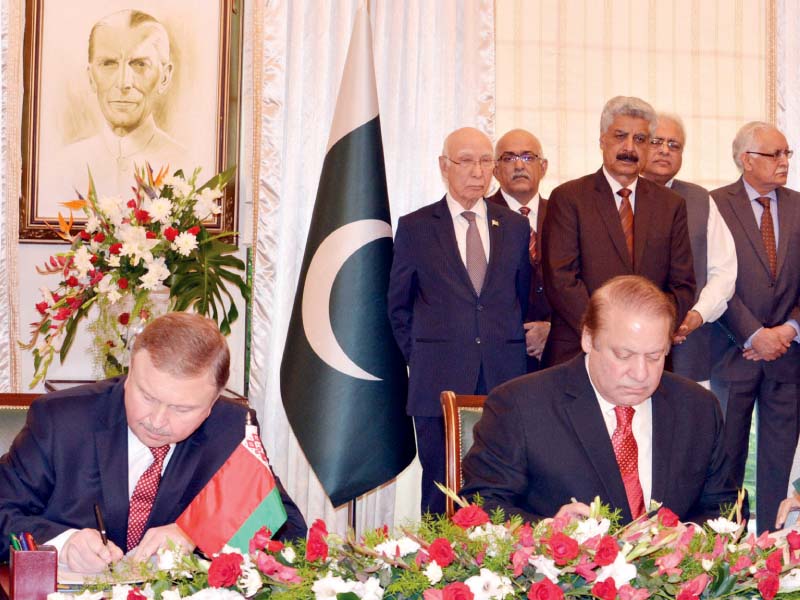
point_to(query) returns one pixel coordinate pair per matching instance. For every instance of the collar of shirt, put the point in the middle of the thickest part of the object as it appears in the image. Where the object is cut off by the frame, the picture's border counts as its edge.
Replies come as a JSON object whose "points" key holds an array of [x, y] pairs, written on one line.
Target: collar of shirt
{"points": [[515, 205], [139, 458], [460, 225], [617, 186], [670, 182], [456, 209], [753, 194], [133, 143]]}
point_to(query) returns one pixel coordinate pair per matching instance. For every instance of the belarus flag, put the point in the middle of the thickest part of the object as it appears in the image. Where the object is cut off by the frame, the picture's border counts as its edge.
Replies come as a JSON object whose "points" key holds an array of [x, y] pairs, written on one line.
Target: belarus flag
{"points": [[240, 499]]}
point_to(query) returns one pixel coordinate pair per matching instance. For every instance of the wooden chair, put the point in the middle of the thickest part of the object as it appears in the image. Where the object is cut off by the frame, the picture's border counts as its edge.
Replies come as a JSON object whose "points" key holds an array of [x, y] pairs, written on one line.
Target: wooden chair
{"points": [[461, 412], [13, 412]]}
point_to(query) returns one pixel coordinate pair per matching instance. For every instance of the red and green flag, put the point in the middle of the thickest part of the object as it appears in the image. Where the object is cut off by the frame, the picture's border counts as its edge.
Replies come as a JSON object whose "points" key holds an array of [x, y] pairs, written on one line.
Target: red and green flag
{"points": [[239, 499]]}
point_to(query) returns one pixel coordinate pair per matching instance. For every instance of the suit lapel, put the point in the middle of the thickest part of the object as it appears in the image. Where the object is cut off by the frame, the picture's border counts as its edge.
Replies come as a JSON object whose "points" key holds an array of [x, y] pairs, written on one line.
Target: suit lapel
{"points": [[607, 207], [494, 218], [540, 214], [112, 464], [787, 216], [663, 433], [182, 466], [446, 235], [743, 210], [644, 213], [583, 411]]}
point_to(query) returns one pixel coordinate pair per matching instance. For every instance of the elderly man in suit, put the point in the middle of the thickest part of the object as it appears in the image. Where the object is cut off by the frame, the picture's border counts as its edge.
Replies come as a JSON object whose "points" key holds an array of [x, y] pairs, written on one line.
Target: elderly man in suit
{"points": [[608, 423], [712, 249], [458, 291], [759, 358], [520, 167], [613, 223], [141, 447]]}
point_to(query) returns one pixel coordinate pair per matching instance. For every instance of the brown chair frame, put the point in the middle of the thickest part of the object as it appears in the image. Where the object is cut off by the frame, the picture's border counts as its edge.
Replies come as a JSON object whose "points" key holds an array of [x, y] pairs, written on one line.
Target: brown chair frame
{"points": [[15, 400], [452, 403]]}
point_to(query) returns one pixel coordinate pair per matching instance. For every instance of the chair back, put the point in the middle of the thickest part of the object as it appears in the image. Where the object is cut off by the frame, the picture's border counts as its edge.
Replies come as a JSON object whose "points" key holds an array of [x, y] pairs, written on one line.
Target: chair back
{"points": [[13, 412], [461, 413]]}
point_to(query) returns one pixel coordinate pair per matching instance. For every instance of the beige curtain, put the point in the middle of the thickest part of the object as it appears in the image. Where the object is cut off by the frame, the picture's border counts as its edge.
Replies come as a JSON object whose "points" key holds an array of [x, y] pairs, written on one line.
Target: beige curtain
{"points": [[559, 61]]}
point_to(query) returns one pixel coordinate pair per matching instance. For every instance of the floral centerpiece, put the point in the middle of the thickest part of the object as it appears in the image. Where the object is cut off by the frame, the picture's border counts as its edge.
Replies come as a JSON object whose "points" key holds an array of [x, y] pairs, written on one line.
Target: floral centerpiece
{"points": [[130, 251], [477, 556]]}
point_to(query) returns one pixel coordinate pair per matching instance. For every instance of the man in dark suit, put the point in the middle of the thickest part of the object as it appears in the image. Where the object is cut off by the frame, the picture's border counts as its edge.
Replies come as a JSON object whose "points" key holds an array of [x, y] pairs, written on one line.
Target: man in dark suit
{"points": [[759, 358], [613, 223], [713, 252], [520, 167], [458, 291], [140, 446], [608, 423]]}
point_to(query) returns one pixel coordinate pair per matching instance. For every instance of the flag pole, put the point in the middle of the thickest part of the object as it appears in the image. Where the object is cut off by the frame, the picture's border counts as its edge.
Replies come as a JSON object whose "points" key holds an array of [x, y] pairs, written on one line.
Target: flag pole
{"points": [[351, 515]]}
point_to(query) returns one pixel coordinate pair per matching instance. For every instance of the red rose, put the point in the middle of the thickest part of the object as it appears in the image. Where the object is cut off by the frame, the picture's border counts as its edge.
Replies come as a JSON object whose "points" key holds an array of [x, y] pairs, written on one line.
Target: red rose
{"points": [[99, 237], [667, 518], [136, 594], [793, 539], [122, 283], [525, 535], [85, 235], [562, 548], [470, 516], [194, 230], [42, 307], [171, 233], [262, 539], [692, 589], [316, 548], [131, 203], [607, 551], [545, 590], [605, 590], [142, 216], [124, 318], [768, 586], [774, 562], [114, 248], [225, 569], [93, 259], [441, 552], [457, 591], [150, 235]]}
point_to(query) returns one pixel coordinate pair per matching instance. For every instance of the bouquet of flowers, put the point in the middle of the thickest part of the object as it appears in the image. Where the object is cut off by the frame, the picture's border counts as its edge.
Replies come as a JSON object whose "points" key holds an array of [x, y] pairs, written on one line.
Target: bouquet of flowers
{"points": [[476, 556], [129, 251]]}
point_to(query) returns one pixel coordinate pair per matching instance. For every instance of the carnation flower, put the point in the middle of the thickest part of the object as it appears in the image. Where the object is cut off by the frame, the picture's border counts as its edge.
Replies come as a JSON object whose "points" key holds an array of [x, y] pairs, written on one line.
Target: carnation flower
{"points": [[184, 244], [82, 261], [433, 572], [159, 209]]}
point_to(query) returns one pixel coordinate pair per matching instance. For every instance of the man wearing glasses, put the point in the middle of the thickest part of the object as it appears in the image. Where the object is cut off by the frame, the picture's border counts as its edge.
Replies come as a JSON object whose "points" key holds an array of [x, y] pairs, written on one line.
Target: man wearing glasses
{"points": [[520, 167], [712, 249], [458, 292], [613, 223], [759, 358]]}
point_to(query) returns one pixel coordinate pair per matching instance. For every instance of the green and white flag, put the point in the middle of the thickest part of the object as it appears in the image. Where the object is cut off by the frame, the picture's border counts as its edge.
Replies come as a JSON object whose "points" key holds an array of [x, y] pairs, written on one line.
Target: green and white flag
{"points": [[343, 379]]}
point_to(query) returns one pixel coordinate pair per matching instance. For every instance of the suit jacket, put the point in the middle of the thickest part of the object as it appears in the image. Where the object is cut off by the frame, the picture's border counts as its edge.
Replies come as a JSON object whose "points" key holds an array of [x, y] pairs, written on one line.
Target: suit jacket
{"points": [[561, 448], [584, 246], [446, 331], [73, 452], [538, 307], [759, 300]]}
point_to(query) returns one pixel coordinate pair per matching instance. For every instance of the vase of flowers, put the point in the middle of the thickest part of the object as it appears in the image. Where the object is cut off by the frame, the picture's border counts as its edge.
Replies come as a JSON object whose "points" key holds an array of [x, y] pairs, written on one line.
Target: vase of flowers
{"points": [[135, 259]]}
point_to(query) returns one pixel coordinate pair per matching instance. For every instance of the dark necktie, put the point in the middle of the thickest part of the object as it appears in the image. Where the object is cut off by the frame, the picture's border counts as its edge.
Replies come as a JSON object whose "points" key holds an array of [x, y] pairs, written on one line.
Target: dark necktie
{"points": [[768, 235], [626, 217], [627, 453], [476, 256], [525, 211], [143, 496]]}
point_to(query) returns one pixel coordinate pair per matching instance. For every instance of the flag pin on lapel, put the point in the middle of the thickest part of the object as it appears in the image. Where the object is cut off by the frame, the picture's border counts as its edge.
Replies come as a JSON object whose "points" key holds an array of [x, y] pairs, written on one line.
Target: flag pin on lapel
{"points": [[495, 223]]}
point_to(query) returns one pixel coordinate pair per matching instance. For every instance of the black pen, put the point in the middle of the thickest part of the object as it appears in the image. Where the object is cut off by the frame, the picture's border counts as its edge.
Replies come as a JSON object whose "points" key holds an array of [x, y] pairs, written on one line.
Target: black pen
{"points": [[101, 526]]}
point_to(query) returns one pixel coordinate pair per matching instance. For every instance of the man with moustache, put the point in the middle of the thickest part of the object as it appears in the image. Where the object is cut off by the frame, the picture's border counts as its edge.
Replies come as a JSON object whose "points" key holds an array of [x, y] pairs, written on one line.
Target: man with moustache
{"points": [[521, 165], [613, 223], [608, 423], [712, 249], [458, 292], [758, 361]]}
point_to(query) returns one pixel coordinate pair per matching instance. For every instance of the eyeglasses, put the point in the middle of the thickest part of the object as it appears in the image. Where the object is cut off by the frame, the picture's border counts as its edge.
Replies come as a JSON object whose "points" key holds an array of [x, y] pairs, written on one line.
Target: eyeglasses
{"points": [[775, 155], [673, 145], [528, 157], [469, 163]]}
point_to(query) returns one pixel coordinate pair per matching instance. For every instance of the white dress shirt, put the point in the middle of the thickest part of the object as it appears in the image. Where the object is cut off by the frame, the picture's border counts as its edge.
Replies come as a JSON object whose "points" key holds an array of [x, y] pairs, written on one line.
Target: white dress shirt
{"points": [[617, 186], [721, 266], [461, 224], [514, 205], [642, 427]]}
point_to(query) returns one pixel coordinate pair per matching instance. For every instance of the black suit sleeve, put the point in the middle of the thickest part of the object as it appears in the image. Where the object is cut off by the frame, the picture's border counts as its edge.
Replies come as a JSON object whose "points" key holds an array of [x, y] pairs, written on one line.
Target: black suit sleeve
{"points": [[402, 290], [681, 283]]}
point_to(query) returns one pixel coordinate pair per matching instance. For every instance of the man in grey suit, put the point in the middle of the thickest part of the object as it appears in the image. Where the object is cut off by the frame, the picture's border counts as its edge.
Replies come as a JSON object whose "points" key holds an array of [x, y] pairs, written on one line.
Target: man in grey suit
{"points": [[759, 358], [713, 252]]}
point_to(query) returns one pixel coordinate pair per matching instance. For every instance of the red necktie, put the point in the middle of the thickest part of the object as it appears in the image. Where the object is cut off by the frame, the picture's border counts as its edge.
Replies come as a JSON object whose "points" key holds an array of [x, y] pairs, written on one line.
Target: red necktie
{"points": [[627, 453], [143, 496], [626, 217], [525, 211], [768, 235]]}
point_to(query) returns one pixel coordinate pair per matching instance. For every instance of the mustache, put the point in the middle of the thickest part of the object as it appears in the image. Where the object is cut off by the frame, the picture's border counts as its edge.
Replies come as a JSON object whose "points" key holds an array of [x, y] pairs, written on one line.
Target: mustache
{"points": [[153, 430], [631, 157], [520, 175]]}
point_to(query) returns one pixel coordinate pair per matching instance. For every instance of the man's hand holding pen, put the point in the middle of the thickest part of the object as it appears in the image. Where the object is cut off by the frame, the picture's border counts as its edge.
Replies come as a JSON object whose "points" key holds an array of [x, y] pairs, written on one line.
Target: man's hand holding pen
{"points": [[85, 552]]}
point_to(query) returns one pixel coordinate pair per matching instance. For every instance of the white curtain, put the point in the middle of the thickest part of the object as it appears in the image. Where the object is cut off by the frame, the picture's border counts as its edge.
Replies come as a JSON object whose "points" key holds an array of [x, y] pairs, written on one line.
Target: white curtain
{"points": [[434, 64]]}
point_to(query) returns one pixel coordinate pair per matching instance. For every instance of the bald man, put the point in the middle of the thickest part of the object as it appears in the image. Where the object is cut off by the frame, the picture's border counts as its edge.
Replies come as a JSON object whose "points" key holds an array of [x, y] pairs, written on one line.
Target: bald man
{"points": [[458, 293], [520, 167]]}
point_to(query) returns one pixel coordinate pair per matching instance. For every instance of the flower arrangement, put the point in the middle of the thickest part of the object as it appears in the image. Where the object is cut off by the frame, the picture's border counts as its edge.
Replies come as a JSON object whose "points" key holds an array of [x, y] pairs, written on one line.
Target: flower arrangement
{"points": [[129, 251], [476, 556]]}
